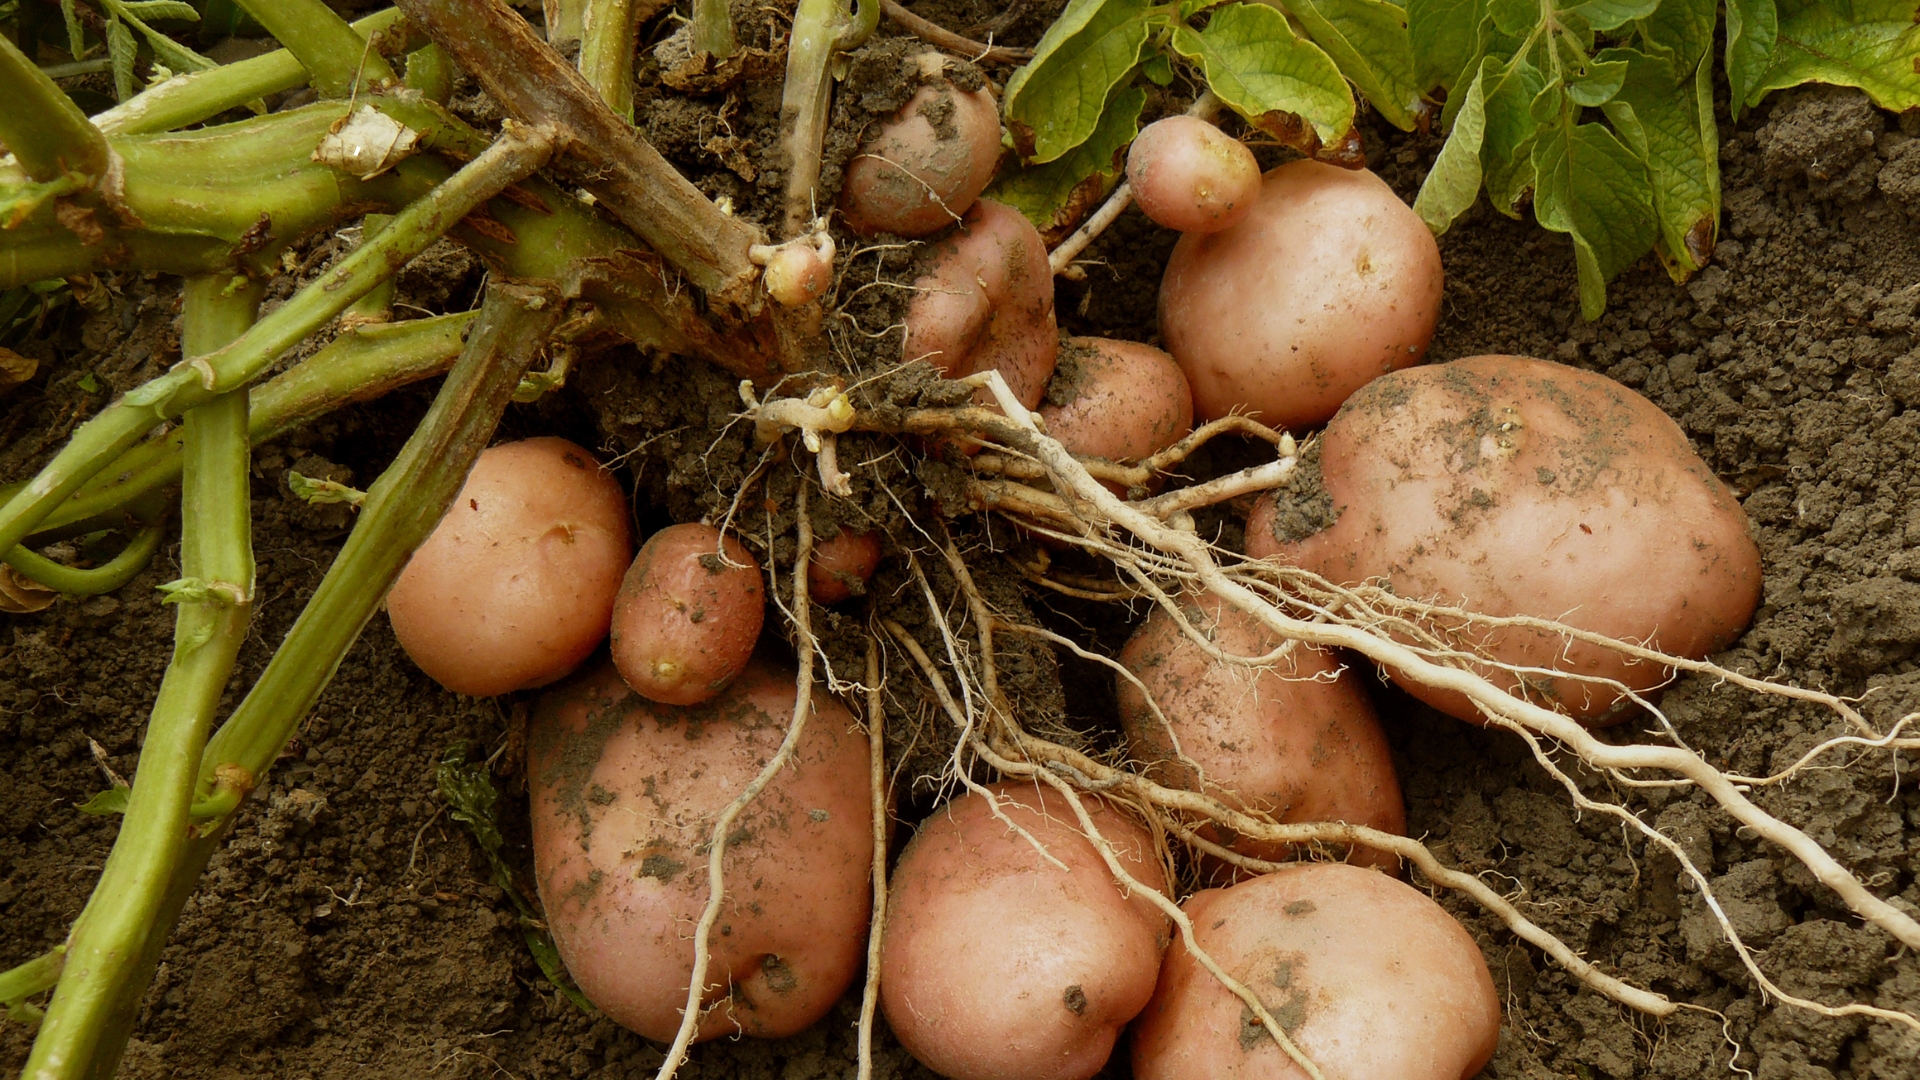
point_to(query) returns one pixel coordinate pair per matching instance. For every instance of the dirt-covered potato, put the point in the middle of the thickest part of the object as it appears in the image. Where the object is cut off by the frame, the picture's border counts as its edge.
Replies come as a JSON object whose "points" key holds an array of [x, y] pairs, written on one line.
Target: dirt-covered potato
{"points": [[926, 165], [841, 566], [624, 795], [1188, 175], [1514, 486], [688, 614], [1369, 977], [998, 965], [515, 587], [1330, 281], [986, 301], [1119, 400], [1296, 739]]}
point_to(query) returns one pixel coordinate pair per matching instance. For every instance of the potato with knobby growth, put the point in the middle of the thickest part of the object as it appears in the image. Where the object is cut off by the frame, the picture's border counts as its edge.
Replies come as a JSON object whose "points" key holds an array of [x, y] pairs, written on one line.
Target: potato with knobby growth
{"points": [[1518, 487], [924, 167], [1367, 976], [1295, 738], [998, 965], [624, 794], [986, 301], [688, 614], [1330, 281], [515, 587], [1118, 400], [841, 566], [1188, 175]]}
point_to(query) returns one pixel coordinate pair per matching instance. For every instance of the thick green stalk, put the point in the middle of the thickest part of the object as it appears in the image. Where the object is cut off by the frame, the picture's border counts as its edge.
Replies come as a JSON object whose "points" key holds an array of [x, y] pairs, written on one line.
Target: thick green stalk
{"points": [[46, 132], [518, 152], [401, 510], [92, 1010], [101, 579], [340, 60], [711, 27], [189, 99], [377, 305], [606, 51], [430, 70], [33, 977]]}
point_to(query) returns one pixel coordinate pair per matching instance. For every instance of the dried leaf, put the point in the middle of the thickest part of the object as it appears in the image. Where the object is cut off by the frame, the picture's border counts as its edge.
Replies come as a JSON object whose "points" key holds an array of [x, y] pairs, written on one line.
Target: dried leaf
{"points": [[366, 144], [15, 369], [21, 595]]}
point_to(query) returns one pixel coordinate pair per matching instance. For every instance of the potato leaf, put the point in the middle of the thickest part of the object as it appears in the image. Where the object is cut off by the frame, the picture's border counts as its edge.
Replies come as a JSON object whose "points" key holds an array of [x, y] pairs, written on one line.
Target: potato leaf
{"points": [[161, 9], [1369, 41], [1590, 186], [76, 37], [1506, 157], [1659, 113], [1612, 14], [1752, 33], [107, 803], [1444, 40], [121, 52], [1871, 44], [1680, 30], [1056, 101], [1056, 195], [1282, 84], [1454, 181]]}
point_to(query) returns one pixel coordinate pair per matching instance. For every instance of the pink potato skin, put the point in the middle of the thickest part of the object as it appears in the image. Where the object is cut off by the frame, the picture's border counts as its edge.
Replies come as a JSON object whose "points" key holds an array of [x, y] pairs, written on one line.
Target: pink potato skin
{"points": [[1124, 401], [1515, 486], [985, 302], [515, 586], [685, 622], [839, 564], [926, 165], [1293, 740], [1188, 175], [624, 795], [1330, 281], [999, 966], [1370, 978]]}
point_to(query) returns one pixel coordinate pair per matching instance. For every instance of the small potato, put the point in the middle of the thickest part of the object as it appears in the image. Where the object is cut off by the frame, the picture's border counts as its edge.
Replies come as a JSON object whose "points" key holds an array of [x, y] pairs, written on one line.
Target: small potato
{"points": [[841, 566], [1330, 281], [987, 302], [688, 614], [624, 794], [1188, 175], [1297, 740], [924, 167], [515, 587], [1515, 486], [1118, 400], [1369, 978], [997, 965]]}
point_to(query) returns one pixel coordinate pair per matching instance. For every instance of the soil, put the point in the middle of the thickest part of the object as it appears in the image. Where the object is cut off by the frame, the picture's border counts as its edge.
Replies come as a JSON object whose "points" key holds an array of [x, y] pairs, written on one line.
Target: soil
{"points": [[351, 929]]}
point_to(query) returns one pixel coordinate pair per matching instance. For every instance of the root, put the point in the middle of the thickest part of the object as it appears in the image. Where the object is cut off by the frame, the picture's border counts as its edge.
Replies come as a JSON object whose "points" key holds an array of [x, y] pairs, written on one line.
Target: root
{"points": [[877, 779], [941, 38]]}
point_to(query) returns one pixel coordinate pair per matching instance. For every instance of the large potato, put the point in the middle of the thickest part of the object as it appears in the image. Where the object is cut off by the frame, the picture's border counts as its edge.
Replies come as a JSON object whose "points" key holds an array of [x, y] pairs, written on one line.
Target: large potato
{"points": [[688, 614], [1118, 400], [986, 301], [1513, 486], [515, 587], [624, 795], [1369, 977], [1297, 739], [997, 965], [924, 167], [1329, 282]]}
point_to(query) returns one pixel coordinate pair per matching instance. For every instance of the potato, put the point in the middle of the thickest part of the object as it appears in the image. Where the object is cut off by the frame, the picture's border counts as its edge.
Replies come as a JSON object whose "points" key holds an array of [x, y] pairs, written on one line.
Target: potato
{"points": [[986, 301], [1369, 978], [841, 566], [688, 614], [1519, 487], [515, 587], [1188, 175], [997, 965], [924, 167], [1118, 400], [1297, 740], [1330, 281], [624, 794]]}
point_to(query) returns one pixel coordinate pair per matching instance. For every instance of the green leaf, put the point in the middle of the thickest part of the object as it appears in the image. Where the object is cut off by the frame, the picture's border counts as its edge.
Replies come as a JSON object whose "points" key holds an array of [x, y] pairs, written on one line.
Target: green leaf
{"points": [[1055, 102], [121, 52], [1514, 16], [1871, 44], [1454, 181], [76, 37], [1055, 196], [1443, 38], [1659, 113], [161, 9], [1591, 187], [1611, 14], [1368, 39], [1277, 81], [1680, 30], [1159, 70], [107, 803], [318, 492], [1752, 34], [1506, 158], [1597, 83]]}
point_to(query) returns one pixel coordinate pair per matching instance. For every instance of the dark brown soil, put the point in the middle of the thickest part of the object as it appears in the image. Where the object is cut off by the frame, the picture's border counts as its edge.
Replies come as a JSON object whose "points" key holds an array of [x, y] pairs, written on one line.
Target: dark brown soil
{"points": [[350, 929]]}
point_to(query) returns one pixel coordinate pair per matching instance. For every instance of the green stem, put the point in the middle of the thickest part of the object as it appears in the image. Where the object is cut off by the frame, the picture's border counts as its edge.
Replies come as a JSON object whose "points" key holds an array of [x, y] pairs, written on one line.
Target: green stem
{"points": [[377, 305], [101, 579], [33, 977], [430, 70], [818, 27], [340, 60], [711, 28], [517, 153], [189, 99], [566, 21], [606, 51], [401, 510], [93, 1007], [46, 132]]}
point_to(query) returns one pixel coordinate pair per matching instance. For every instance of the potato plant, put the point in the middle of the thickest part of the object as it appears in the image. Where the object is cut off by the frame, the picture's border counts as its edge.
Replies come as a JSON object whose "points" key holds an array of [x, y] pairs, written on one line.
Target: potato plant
{"points": [[706, 811]]}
